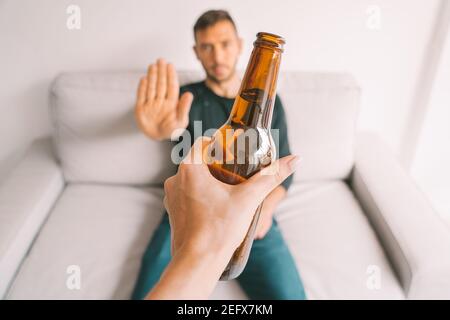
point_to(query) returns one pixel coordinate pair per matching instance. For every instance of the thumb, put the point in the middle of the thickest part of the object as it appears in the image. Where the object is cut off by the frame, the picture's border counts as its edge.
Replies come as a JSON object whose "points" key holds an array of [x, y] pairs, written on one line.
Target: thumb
{"points": [[184, 105], [263, 182]]}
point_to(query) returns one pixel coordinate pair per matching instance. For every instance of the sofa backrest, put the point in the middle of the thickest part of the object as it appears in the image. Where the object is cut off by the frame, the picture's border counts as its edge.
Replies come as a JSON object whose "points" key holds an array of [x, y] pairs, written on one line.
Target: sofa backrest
{"points": [[97, 140]]}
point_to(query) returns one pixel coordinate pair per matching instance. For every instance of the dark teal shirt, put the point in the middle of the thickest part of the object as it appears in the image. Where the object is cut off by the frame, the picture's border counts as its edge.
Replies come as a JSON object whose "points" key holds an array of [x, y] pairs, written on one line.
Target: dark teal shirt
{"points": [[214, 110]]}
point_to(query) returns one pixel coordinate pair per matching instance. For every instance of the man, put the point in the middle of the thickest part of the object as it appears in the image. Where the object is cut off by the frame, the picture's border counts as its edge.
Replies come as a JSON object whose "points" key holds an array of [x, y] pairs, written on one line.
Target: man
{"points": [[270, 272]]}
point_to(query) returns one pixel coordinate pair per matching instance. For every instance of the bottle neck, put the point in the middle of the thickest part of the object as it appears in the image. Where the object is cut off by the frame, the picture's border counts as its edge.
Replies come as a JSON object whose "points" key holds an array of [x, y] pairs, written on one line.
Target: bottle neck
{"points": [[254, 103]]}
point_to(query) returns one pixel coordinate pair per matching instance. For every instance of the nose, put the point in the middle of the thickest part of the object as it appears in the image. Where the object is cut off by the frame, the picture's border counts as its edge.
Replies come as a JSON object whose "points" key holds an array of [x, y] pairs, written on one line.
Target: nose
{"points": [[218, 55]]}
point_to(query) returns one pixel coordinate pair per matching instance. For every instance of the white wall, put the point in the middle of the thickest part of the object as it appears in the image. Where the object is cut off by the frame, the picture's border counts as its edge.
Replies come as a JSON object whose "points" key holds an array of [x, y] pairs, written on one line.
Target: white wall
{"points": [[326, 35], [431, 166]]}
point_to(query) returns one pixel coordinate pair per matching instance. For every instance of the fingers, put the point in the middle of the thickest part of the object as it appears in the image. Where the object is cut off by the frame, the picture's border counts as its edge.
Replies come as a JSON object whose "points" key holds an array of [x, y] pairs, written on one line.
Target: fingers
{"points": [[262, 183], [161, 83], [142, 92], [184, 105], [173, 87], [151, 82]]}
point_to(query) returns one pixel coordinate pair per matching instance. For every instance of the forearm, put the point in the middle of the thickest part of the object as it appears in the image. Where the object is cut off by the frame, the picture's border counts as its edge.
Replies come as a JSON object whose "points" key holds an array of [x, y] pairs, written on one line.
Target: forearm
{"points": [[191, 275]]}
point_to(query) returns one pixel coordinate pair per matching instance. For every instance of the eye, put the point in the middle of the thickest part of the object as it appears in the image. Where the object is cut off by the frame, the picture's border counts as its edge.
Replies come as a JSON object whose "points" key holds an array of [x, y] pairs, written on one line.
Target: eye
{"points": [[206, 47]]}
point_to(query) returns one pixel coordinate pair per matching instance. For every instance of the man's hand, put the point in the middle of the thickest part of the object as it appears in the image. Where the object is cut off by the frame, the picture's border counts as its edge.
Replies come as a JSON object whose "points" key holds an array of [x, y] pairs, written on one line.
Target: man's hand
{"points": [[159, 110]]}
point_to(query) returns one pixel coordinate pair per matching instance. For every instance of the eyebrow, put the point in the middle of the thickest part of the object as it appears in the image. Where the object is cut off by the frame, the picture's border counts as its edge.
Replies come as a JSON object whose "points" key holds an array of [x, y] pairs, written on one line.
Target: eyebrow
{"points": [[212, 43]]}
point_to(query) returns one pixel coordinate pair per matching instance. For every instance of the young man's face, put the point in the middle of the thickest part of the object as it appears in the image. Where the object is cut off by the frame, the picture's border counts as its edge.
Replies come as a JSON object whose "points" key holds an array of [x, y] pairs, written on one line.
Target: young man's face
{"points": [[218, 48]]}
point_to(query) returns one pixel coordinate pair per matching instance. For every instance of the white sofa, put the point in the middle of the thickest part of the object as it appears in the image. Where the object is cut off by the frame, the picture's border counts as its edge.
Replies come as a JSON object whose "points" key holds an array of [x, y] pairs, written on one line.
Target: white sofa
{"points": [[91, 197]]}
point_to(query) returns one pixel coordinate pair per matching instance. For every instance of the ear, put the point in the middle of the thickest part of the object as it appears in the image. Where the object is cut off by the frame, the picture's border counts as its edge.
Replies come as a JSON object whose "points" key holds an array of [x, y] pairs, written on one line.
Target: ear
{"points": [[194, 47]]}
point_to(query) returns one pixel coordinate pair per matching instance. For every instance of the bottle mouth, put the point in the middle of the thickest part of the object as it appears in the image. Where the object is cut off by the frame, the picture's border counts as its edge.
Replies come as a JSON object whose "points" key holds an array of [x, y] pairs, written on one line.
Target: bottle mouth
{"points": [[269, 39]]}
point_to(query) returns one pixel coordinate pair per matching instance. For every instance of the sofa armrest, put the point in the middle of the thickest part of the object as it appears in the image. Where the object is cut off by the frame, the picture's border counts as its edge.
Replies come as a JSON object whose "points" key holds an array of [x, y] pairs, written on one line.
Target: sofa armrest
{"points": [[26, 196], [415, 238]]}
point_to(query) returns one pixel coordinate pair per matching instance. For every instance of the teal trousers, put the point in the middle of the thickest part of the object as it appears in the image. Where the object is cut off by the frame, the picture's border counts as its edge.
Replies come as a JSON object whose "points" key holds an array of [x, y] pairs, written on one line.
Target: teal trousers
{"points": [[270, 272]]}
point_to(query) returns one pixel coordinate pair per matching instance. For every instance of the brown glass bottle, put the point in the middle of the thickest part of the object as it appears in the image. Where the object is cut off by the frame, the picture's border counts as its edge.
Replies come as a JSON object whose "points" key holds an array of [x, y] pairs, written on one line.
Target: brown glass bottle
{"points": [[244, 142]]}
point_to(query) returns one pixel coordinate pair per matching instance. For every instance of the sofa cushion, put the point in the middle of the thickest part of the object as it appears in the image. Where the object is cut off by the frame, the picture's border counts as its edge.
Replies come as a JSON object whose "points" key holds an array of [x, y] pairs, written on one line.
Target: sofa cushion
{"points": [[321, 110], [105, 229], [97, 139], [101, 229], [96, 136], [336, 249]]}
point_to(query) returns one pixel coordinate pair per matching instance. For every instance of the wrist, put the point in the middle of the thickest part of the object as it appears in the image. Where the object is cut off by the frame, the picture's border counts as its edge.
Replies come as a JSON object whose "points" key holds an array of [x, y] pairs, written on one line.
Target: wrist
{"points": [[218, 253], [191, 274]]}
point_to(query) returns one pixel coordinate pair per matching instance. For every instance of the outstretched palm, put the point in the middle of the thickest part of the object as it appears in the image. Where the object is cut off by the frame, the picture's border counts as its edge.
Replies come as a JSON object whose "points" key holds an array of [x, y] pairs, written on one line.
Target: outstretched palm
{"points": [[159, 110]]}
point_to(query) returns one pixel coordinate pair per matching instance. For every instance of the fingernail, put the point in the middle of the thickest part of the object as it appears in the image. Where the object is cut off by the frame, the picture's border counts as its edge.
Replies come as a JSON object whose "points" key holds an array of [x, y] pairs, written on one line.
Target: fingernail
{"points": [[294, 162]]}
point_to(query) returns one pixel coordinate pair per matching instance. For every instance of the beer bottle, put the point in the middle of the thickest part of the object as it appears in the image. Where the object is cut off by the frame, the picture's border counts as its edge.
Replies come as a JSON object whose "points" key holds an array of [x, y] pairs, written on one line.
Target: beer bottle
{"points": [[244, 145]]}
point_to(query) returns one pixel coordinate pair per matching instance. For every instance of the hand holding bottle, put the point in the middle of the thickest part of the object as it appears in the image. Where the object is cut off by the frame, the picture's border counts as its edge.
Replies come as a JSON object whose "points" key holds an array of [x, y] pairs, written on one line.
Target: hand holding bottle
{"points": [[207, 214], [208, 221]]}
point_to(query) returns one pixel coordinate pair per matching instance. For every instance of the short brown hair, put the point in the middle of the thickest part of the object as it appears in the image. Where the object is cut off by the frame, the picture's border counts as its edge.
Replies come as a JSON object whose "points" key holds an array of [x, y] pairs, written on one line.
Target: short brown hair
{"points": [[210, 18]]}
